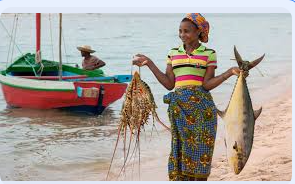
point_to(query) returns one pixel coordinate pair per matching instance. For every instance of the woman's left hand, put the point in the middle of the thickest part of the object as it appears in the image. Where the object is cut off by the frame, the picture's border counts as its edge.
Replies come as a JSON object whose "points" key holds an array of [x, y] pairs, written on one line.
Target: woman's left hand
{"points": [[237, 71]]}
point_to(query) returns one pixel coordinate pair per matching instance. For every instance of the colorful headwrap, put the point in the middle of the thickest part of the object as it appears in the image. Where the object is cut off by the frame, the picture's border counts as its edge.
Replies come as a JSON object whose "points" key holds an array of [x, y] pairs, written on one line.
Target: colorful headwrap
{"points": [[202, 24]]}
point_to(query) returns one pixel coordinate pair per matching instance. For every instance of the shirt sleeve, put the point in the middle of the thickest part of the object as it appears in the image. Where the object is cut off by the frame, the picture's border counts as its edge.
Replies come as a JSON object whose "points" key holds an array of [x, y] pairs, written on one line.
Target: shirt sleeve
{"points": [[212, 60], [168, 59]]}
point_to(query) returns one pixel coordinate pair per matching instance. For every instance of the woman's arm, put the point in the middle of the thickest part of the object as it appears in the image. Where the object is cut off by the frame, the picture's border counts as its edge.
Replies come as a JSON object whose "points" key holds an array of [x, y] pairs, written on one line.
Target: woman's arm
{"points": [[211, 82], [166, 79]]}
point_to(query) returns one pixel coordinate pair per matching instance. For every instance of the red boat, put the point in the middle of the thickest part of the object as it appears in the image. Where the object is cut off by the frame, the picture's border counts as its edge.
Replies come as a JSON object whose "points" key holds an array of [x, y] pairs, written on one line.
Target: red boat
{"points": [[72, 88]]}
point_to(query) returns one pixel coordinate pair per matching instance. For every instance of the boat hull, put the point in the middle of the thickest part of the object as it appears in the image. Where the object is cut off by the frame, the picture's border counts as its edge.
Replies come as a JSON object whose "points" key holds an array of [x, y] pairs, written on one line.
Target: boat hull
{"points": [[40, 94]]}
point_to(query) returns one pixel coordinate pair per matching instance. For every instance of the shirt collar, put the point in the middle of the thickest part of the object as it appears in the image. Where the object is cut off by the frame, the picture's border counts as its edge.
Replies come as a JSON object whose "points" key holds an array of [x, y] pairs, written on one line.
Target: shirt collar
{"points": [[201, 48]]}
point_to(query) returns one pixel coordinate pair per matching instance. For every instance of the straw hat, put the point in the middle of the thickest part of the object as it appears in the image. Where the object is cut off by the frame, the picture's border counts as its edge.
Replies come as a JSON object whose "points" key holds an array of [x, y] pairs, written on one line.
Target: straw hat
{"points": [[85, 48]]}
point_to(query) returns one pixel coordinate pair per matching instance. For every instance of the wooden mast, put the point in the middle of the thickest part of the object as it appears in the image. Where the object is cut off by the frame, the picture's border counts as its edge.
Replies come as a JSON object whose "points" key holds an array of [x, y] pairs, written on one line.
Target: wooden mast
{"points": [[38, 32], [60, 55], [38, 38]]}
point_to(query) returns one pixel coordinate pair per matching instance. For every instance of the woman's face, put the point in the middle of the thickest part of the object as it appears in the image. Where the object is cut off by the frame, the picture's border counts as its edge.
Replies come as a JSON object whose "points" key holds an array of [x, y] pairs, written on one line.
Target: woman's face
{"points": [[188, 32]]}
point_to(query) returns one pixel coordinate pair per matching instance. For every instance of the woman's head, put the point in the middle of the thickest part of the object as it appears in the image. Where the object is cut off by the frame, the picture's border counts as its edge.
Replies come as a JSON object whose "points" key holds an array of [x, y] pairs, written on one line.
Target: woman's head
{"points": [[194, 27]]}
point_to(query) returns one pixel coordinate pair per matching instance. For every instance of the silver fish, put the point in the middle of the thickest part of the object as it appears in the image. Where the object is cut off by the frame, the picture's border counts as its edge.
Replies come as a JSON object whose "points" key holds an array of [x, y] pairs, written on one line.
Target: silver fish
{"points": [[239, 118]]}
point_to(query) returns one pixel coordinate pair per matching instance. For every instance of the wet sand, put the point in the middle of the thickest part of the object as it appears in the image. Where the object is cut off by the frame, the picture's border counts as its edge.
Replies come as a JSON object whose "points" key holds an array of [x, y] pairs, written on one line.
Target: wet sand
{"points": [[271, 156]]}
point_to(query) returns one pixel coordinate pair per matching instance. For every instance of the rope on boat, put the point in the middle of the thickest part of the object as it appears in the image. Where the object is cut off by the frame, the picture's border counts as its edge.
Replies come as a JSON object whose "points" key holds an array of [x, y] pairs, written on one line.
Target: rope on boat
{"points": [[10, 36], [14, 42], [64, 43], [39, 61], [18, 47], [14, 37], [51, 37], [10, 43]]}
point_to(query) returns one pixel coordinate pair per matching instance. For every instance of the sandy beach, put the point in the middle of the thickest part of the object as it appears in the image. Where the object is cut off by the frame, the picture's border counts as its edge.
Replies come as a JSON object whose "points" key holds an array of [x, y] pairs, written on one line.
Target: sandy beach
{"points": [[270, 159], [271, 156]]}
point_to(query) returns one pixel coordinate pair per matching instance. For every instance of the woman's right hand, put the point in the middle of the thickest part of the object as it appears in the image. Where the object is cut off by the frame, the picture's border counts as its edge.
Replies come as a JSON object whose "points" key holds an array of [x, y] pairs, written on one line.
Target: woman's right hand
{"points": [[141, 60]]}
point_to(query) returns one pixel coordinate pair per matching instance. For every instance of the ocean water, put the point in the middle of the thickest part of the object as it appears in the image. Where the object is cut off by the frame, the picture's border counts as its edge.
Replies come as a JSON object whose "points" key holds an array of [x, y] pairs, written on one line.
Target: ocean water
{"points": [[55, 145]]}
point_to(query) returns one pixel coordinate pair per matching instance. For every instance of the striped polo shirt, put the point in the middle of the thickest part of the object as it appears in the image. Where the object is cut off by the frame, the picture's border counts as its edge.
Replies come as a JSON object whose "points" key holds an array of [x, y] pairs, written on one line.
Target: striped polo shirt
{"points": [[191, 69]]}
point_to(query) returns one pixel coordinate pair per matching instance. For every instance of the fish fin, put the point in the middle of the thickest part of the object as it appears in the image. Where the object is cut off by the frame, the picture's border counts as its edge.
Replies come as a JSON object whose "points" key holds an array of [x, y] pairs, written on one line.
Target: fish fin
{"points": [[255, 62], [257, 113], [238, 57], [220, 113]]}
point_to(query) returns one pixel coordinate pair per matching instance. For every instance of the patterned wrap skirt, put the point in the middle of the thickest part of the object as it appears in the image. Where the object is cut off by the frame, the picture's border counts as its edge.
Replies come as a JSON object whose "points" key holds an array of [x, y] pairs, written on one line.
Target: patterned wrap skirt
{"points": [[193, 117]]}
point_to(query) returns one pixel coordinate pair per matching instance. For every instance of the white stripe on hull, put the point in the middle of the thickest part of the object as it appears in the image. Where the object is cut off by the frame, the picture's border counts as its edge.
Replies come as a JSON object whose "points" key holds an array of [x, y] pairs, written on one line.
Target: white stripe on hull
{"points": [[37, 84]]}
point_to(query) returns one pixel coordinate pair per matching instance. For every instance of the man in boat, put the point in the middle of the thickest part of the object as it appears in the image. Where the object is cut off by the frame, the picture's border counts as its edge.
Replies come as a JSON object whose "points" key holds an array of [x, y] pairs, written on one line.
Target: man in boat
{"points": [[90, 62]]}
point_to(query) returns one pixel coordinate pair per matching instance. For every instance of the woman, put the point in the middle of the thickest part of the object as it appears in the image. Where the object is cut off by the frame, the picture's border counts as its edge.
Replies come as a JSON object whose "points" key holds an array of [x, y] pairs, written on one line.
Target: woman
{"points": [[192, 112]]}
